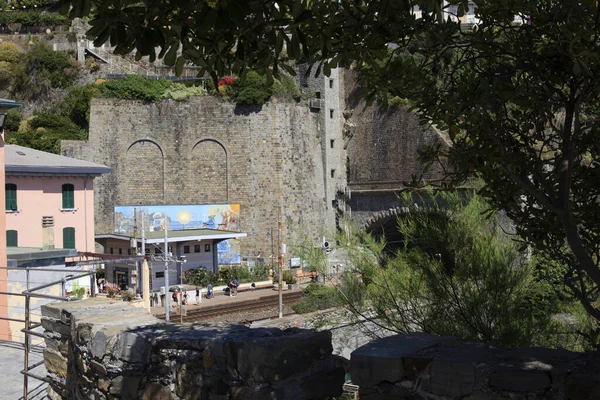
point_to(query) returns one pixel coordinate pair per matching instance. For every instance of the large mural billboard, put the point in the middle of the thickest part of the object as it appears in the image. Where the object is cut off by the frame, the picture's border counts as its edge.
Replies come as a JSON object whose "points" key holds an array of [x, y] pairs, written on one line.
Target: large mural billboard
{"points": [[225, 217]]}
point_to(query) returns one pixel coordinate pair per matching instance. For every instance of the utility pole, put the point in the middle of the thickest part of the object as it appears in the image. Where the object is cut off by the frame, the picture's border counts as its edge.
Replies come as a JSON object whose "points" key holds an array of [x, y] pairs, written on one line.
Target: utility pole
{"points": [[272, 249], [166, 255], [280, 261], [181, 298]]}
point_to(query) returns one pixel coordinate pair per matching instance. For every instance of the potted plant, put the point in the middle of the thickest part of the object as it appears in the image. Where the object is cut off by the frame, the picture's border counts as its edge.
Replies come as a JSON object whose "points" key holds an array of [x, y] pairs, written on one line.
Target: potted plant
{"points": [[290, 279], [111, 291], [127, 295]]}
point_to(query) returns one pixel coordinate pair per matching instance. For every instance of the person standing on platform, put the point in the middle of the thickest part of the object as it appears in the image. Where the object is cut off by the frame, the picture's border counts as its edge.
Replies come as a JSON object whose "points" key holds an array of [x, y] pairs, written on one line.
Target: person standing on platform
{"points": [[197, 296]]}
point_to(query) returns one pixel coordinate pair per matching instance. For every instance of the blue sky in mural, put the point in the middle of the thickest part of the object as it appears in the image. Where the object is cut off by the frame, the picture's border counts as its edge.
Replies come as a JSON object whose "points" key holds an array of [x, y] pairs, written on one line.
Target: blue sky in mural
{"points": [[181, 217]]}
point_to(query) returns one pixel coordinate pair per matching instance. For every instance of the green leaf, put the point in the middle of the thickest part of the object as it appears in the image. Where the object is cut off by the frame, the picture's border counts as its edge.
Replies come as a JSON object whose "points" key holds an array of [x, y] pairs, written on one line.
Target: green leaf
{"points": [[171, 55], [179, 65]]}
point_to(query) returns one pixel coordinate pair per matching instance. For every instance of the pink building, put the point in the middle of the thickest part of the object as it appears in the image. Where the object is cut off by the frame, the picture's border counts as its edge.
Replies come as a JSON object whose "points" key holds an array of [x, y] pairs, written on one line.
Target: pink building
{"points": [[49, 200]]}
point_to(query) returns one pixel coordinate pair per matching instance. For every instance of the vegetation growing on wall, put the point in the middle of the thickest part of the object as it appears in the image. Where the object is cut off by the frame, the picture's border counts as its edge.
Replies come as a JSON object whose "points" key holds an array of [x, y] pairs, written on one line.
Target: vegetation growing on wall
{"points": [[41, 69], [255, 90]]}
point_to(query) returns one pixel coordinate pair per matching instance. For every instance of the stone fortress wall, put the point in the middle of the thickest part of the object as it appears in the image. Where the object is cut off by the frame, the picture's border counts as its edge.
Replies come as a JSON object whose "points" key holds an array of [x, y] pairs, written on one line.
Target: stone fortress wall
{"points": [[204, 151], [282, 162]]}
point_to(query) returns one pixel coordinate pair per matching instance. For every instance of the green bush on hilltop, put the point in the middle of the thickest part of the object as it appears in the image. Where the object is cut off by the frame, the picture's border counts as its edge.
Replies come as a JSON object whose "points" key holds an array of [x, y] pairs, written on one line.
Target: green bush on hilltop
{"points": [[10, 52]]}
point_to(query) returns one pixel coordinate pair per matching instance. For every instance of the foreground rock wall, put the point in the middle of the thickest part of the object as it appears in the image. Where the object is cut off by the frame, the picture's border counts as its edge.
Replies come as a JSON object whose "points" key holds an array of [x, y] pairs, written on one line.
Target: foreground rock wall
{"points": [[420, 366], [97, 349]]}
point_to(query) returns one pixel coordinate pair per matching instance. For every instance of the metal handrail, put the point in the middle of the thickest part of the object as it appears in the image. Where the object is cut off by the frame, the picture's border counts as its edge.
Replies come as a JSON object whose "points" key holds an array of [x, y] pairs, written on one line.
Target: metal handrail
{"points": [[30, 292]]}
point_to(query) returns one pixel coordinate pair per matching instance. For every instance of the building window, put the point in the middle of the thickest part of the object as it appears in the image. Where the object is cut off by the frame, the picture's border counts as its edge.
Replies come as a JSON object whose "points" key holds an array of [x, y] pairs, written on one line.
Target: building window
{"points": [[331, 113], [112, 251], [207, 247], [12, 238], [186, 249], [196, 248], [333, 173], [331, 142], [160, 274], [331, 84], [317, 95], [68, 238], [11, 196], [129, 251], [68, 196], [120, 250]]}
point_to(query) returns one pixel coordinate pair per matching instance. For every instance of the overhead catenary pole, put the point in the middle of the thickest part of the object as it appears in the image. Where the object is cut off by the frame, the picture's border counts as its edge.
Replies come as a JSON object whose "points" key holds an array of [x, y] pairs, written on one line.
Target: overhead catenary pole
{"points": [[280, 261], [166, 255]]}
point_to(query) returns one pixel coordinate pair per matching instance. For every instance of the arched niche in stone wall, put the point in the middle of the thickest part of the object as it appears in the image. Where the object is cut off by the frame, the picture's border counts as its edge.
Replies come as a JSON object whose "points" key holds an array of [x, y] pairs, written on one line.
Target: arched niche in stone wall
{"points": [[142, 177], [208, 172]]}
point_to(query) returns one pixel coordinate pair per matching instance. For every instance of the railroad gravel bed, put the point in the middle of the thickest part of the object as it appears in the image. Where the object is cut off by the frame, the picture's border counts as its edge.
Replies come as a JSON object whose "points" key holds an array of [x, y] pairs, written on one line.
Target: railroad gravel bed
{"points": [[243, 316]]}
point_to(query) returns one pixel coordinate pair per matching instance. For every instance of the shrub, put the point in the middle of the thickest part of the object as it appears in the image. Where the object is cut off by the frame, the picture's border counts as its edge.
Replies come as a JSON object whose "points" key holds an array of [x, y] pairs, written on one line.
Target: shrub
{"points": [[259, 273], [135, 87], [127, 295], [6, 74], [288, 277], [33, 18], [286, 89], [76, 104], [317, 297], [13, 120], [242, 274], [40, 69], [44, 132], [251, 91], [457, 274], [179, 91], [10, 52]]}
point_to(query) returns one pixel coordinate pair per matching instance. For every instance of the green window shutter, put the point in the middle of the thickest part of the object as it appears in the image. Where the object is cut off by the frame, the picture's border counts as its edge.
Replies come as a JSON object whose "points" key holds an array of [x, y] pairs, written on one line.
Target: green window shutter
{"points": [[11, 196], [68, 238], [68, 196], [12, 238]]}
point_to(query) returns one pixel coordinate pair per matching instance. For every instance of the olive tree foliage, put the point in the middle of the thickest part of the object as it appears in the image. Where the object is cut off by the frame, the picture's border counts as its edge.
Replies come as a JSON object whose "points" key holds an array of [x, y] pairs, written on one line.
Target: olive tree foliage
{"points": [[519, 100], [457, 273]]}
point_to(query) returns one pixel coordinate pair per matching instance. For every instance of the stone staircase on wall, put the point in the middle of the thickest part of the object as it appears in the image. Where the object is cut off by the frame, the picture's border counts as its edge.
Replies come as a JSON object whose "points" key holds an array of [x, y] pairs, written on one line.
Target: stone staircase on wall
{"points": [[118, 65]]}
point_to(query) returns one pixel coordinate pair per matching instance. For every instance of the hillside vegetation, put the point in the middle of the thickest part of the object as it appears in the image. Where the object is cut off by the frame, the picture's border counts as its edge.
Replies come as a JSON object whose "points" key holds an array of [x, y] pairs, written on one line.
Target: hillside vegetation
{"points": [[38, 75]]}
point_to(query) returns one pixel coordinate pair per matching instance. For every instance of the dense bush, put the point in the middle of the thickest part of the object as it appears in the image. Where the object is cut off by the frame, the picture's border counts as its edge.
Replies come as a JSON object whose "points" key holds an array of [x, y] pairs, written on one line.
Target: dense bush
{"points": [[254, 90], [41, 69], [13, 120], [251, 91], [200, 277], [45, 131], [286, 89], [33, 18], [135, 87], [288, 277], [76, 104], [6, 74], [317, 297], [457, 274], [10, 52]]}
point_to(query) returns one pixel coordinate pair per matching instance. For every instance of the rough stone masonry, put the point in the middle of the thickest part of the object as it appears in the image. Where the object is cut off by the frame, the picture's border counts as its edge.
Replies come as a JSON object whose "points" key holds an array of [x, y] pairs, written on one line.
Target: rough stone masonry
{"points": [[101, 349]]}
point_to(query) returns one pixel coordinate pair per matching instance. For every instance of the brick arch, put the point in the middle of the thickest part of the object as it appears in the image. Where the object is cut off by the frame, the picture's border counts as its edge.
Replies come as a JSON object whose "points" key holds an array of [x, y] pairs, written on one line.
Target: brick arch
{"points": [[144, 182], [209, 171], [383, 223]]}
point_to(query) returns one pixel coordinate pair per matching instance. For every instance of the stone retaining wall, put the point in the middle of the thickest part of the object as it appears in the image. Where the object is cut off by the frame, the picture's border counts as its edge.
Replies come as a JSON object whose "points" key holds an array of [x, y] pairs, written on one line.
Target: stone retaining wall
{"points": [[98, 349], [420, 366]]}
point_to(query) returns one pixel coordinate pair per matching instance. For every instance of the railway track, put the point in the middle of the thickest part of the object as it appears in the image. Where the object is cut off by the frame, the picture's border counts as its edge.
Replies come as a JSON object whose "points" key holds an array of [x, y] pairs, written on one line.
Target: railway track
{"points": [[262, 302]]}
